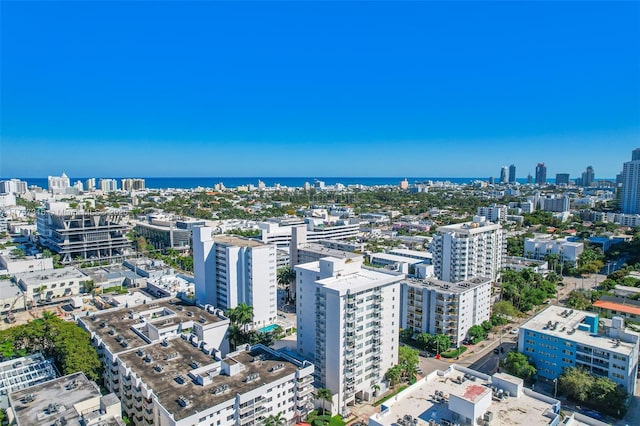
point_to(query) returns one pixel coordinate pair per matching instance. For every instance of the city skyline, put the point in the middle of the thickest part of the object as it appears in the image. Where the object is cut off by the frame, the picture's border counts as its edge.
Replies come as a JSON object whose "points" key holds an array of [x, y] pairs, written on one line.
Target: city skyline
{"points": [[318, 89]]}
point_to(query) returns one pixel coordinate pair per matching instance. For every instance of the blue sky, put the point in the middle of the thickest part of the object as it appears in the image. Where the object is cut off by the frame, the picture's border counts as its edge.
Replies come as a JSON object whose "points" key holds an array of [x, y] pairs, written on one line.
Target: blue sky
{"points": [[317, 88]]}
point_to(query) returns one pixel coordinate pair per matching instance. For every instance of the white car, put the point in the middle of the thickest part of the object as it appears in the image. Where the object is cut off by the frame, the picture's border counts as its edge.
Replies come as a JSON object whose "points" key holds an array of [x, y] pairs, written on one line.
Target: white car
{"points": [[514, 331]]}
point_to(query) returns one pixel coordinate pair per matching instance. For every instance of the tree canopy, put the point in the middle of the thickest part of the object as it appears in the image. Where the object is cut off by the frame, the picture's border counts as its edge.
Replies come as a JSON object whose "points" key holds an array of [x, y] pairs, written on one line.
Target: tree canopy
{"points": [[66, 342], [518, 365], [598, 392]]}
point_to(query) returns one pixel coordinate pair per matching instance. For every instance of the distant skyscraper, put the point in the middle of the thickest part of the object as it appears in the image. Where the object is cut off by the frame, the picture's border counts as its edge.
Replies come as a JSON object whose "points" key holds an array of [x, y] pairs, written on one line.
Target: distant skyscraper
{"points": [[108, 185], [588, 177], [562, 178], [90, 184], [512, 173], [59, 184], [541, 174], [529, 178], [504, 175], [631, 184]]}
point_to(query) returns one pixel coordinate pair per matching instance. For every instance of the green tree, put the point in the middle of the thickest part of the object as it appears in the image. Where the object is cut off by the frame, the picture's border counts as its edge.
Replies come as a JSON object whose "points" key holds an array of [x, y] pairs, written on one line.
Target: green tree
{"points": [[394, 374], [578, 299], [275, 420], [241, 314], [476, 333], [324, 394], [286, 279], [518, 365]]}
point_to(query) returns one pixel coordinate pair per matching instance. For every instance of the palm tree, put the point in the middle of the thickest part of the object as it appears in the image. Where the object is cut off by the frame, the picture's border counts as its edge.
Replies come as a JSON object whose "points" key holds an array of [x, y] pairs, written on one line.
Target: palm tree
{"points": [[235, 335], [286, 277], [276, 420], [243, 314], [324, 394]]}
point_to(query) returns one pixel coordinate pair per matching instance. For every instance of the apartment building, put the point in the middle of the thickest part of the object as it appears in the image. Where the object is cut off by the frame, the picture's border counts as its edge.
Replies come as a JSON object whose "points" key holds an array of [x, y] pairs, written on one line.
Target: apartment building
{"points": [[58, 184], [348, 319], [631, 184], [78, 234], [540, 246], [559, 338], [230, 270], [72, 399], [129, 184], [44, 286], [439, 307], [108, 185], [24, 372], [494, 213], [317, 229], [466, 250], [162, 360]]}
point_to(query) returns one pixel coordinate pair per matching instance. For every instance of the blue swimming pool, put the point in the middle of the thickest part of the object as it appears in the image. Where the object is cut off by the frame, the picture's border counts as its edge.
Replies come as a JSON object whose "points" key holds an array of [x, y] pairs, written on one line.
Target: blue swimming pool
{"points": [[268, 328]]}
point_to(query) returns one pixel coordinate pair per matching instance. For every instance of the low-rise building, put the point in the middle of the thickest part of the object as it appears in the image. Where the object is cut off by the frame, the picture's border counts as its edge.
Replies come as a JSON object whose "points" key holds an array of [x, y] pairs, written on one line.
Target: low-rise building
{"points": [[461, 396], [559, 338], [20, 373], [18, 264], [539, 247], [44, 286], [439, 307], [620, 306], [11, 298], [520, 263], [71, 399]]}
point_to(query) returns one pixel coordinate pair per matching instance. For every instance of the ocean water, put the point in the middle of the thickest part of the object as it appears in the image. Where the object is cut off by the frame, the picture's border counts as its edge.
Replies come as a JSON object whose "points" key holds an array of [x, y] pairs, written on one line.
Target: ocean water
{"points": [[233, 182]]}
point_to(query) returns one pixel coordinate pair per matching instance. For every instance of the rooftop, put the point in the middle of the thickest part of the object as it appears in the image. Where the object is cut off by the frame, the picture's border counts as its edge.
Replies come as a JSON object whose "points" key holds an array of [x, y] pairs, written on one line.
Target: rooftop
{"points": [[326, 251], [8, 289], [470, 228], [458, 287], [238, 241], [564, 324], [38, 278], [625, 307], [45, 403], [429, 399], [116, 327], [20, 373], [169, 369], [396, 258]]}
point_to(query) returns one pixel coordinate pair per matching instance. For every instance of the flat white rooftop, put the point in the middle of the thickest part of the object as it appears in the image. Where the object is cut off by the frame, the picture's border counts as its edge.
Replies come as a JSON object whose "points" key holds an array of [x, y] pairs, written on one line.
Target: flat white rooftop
{"points": [[38, 278], [568, 321], [449, 287], [420, 402]]}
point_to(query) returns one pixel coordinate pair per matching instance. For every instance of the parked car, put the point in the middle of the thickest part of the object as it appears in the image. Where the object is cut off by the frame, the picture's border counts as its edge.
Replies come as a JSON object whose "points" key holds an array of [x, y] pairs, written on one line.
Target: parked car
{"points": [[592, 413], [514, 331]]}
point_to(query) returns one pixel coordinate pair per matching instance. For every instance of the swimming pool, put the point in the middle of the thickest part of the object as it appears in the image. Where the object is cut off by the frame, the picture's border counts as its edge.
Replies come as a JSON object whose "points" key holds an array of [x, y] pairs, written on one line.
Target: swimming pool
{"points": [[268, 328]]}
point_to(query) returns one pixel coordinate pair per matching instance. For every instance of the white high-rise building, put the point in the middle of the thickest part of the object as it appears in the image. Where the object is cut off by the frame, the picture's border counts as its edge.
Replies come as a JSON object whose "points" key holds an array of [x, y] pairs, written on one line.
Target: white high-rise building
{"points": [[13, 186], [90, 184], [439, 307], [631, 184], [348, 320], [466, 250], [230, 270], [108, 185], [59, 184]]}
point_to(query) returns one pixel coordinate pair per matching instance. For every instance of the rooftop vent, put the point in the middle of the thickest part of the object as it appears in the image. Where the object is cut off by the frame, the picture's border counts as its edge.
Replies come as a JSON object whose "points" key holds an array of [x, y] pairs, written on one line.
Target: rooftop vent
{"points": [[277, 367], [140, 352], [165, 342], [252, 377], [220, 389], [158, 368], [72, 385], [147, 358], [194, 364], [180, 380], [171, 355], [184, 402], [28, 398], [53, 408]]}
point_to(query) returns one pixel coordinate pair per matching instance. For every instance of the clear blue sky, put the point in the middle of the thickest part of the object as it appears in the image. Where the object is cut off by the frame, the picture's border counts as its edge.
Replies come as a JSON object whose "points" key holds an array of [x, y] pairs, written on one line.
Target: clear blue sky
{"points": [[318, 88]]}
